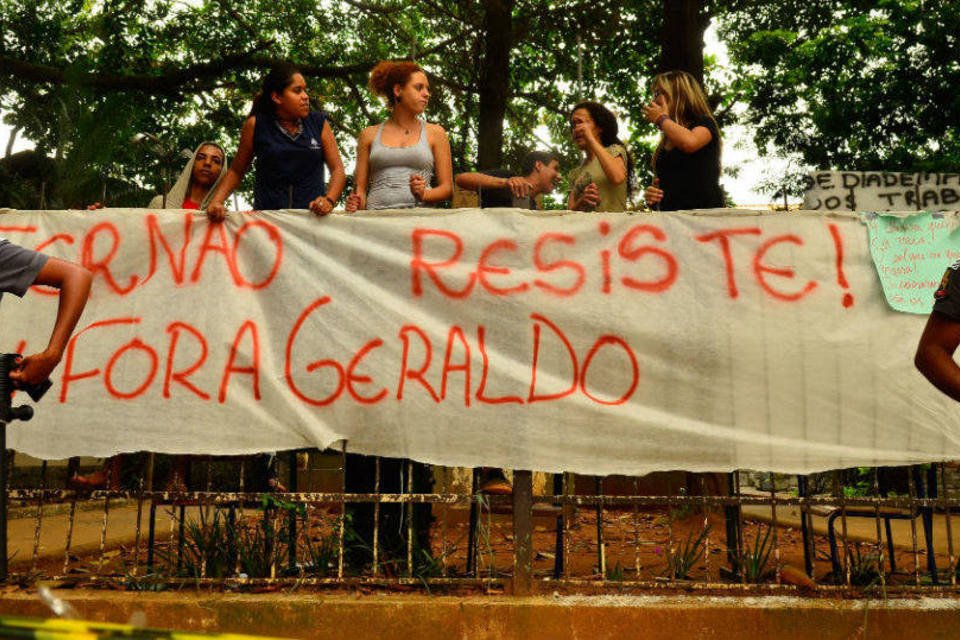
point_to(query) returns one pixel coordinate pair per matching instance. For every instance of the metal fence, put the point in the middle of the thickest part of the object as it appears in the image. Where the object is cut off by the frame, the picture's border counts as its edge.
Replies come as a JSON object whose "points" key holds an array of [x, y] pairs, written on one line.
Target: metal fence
{"points": [[842, 532]]}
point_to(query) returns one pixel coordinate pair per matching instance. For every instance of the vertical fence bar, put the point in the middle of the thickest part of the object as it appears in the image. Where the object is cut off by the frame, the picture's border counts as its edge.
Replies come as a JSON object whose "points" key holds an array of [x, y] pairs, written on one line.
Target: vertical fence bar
{"points": [[806, 530], [735, 479], [181, 534], [136, 535], [292, 514], [409, 509], [151, 534], [840, 491], [472, 524], [271, 516], [343, 509], [731, 521], [558, 550], [773, 523], [106, 520], [569, 513], [636, 528], [706, 528], [376, 516], [601, 550], [946, 514], [522, 532], [913, 527], [876, 519], [4, 479], [670, 547], [71, 517], [38, 520], [491, 555], [237, 517], [443, 522], [930, 493]]}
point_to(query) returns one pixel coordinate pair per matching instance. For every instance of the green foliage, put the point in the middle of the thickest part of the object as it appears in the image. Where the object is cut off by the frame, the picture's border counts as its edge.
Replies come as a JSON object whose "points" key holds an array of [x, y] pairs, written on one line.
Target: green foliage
{"points": [[848, 84], [866, 568], [682, 557], [862, 479], [82, 78], [219, 547], [754, 559], [615, 573]]}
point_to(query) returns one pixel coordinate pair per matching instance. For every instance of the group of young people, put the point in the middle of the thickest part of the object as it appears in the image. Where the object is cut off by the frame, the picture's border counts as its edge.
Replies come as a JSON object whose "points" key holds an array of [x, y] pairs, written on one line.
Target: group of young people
{"points": [[406, 162]]}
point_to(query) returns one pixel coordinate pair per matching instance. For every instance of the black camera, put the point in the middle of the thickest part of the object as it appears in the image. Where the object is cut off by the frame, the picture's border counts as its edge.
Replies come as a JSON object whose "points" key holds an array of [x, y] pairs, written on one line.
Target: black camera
{"points": [[8, 413]]}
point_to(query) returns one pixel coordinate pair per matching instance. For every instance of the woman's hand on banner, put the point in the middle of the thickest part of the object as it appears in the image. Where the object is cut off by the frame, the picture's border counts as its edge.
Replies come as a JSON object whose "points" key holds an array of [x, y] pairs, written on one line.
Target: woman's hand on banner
{"points": [[216, 212]]}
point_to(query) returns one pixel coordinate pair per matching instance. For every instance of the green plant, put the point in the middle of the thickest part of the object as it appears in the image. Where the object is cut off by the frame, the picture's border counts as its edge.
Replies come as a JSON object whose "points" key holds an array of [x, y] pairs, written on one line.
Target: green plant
{"points": [[208, 548], [753, 560], [269, 501], [615, 573], [862, 483], [214, 548], [866, 568], [682, 557], [322, 551]]}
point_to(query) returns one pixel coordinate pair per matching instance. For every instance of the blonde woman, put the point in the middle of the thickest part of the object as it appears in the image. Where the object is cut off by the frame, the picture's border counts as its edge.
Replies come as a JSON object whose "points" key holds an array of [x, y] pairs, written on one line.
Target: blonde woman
{"points": [[686, 162]]}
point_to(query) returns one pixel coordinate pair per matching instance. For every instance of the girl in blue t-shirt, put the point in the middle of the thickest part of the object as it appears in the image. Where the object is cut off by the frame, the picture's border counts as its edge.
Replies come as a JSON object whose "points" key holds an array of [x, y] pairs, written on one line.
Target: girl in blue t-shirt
{"points": [[291, 145]]}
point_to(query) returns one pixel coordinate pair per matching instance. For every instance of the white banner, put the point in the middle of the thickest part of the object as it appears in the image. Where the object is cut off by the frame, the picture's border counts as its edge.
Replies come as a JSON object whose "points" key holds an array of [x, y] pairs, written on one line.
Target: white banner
{"points": [[595, 343]]}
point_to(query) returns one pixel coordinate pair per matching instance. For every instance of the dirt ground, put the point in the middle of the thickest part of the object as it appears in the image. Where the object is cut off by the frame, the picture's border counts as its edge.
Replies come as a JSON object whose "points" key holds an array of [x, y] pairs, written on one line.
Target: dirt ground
{"points": [[637, 546]]}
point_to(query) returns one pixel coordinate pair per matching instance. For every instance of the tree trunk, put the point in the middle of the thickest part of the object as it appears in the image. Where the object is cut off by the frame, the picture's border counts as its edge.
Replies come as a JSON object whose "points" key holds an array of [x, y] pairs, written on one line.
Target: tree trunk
{"points": [[11, 141], [494, 81], [684, 22]]}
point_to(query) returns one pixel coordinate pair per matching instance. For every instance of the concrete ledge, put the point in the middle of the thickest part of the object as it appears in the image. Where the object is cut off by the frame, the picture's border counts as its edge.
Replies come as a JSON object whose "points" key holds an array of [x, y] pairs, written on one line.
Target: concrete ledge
{"points": [[322, 616]]}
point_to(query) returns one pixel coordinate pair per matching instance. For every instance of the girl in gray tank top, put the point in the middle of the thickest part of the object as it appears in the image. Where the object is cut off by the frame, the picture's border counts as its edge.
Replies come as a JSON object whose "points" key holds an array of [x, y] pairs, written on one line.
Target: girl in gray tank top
{"points": [[390, 169], [404, 162]]}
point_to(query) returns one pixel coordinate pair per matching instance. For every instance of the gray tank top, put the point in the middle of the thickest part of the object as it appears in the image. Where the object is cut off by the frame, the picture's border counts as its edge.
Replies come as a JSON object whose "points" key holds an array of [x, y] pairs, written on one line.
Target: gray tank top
{"points": [[390, 169]]}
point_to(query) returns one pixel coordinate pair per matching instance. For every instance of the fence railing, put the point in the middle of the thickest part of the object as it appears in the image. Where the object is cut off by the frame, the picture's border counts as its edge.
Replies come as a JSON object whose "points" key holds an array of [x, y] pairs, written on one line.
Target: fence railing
{"points": [[843, 531]]}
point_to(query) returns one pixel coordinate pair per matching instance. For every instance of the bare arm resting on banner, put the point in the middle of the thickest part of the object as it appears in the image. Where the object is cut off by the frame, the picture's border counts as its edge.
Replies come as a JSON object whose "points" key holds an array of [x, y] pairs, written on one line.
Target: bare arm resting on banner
{"points": [[74, 284], [216, 211], [941, 337]]}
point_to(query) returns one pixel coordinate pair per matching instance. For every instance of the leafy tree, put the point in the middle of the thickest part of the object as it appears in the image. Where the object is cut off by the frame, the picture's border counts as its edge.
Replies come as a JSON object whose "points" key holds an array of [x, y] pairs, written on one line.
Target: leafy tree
{"points": [[849, 84], [82, 77]]}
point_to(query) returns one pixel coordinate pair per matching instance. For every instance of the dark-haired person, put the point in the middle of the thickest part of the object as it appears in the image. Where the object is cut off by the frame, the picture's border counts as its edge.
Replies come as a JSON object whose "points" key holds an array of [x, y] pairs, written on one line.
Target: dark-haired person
{"points": [[539, 174], [198, 181], [604, 179], [941, 336], [686, 162], [291, 145], [399, 160]]}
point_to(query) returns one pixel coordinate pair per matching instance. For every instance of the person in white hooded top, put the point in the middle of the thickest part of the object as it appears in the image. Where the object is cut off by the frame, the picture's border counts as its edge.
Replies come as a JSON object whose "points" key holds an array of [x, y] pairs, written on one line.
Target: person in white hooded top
{"points": [[198, 180]]}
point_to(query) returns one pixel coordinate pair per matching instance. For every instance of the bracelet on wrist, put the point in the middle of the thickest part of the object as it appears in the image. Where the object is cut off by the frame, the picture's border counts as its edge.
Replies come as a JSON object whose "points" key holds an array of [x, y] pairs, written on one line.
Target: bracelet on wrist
{"points": [[661, 120], [332, 203]]}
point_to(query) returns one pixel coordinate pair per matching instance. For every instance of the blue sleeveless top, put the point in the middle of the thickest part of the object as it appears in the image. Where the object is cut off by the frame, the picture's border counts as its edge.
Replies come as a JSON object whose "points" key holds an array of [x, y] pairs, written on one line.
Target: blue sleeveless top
{"points": [[289, 169]]}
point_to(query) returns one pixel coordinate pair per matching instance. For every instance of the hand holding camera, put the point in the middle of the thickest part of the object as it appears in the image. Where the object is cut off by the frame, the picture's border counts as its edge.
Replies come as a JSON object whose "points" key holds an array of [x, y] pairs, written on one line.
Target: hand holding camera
{"points": [[13, 377]]}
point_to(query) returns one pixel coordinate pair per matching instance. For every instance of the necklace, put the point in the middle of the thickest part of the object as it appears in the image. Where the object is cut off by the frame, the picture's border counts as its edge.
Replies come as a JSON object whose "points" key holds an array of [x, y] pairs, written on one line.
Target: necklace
{"points": [[405, 130]]}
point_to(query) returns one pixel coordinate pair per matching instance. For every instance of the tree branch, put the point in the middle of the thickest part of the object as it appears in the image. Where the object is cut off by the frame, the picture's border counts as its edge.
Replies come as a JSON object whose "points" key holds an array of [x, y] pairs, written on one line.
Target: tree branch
{"points": [[170, 81], [371, 7], [358, 96], [246, 26]]}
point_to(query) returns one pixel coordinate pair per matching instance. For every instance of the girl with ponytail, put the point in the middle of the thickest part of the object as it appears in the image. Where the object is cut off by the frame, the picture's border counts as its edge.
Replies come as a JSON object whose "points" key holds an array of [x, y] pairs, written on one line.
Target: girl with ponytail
{"points": [[399, 161], [291, 144]]}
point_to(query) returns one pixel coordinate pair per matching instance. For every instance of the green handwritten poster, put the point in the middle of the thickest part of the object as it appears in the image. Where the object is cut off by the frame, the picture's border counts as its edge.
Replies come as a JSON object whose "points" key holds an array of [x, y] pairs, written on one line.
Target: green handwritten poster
{"points": [[911, 254]]}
